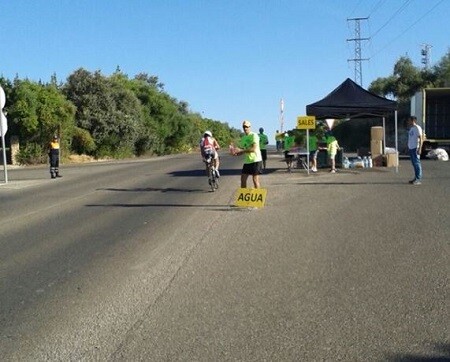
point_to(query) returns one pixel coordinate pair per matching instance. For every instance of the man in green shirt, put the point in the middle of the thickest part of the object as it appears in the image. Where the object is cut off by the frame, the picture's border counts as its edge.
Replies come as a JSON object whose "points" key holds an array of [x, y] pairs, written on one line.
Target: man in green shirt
{"points": [[263, 142], [313, 150], [249, 147], [288, 143]]}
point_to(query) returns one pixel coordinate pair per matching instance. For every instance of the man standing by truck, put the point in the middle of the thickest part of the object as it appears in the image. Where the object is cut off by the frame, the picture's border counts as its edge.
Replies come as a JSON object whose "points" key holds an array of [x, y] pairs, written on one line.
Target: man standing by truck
{"points": [[415, 141]]}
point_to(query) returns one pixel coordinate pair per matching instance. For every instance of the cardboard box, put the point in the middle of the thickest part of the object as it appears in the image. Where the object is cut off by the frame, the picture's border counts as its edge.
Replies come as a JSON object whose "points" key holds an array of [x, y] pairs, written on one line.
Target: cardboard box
{"points": [[376, 147], [377, 160], [376, 133], [391, 159]]}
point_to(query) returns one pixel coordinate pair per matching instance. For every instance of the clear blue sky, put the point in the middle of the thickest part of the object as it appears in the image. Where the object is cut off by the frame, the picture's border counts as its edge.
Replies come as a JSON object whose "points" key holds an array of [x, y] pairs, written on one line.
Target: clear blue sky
{"points": [[229, 59]]}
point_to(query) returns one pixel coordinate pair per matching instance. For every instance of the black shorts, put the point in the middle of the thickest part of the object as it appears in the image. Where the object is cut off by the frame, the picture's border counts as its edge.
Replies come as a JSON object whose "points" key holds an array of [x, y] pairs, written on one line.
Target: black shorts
{"points": [[264, 154], [252, 168]]}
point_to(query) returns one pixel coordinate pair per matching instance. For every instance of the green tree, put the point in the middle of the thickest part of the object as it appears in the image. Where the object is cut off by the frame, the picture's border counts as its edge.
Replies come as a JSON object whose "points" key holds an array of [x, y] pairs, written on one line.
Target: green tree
{"points": [[39, 111], [23, 109], [402, 84], [111, 116], [107, 110], [442, 71], [408, 79]]}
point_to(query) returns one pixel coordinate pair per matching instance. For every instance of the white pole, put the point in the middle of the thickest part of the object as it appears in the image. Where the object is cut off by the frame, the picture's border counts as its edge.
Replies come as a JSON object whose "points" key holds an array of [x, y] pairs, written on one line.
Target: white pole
{"points": [[281, 114], [307, 150], [396, 143], [3, 131], [384, 135], [4, 153]]}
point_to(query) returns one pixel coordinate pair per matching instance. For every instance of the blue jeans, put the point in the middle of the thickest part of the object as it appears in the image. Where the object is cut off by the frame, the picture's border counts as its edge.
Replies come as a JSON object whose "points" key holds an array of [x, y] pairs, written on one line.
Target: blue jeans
{"points": [[415, 160]]}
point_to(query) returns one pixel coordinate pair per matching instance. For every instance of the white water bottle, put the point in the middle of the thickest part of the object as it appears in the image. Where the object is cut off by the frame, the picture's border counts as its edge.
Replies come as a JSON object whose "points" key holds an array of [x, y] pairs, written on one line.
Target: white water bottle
{"points": [[346, 162]]}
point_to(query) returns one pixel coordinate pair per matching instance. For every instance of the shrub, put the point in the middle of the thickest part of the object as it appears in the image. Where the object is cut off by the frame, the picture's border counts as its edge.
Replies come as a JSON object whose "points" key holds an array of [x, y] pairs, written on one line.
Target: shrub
{"points": [[83, 142], [31, 154]]}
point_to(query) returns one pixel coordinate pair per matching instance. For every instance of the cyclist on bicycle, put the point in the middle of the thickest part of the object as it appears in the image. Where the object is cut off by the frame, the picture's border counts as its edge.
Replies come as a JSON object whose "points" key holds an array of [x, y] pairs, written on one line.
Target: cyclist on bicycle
{"points": [[208, 148]]}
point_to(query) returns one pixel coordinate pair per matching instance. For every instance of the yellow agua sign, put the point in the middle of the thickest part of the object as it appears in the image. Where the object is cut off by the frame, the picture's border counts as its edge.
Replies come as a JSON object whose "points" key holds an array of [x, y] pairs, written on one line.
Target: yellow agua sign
{"points": [[306, 122], [250, 197]]}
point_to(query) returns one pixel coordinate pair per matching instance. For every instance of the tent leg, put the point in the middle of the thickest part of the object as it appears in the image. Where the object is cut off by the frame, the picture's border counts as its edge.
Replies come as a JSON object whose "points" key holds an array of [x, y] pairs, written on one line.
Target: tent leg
{"points": [[396, 142]]}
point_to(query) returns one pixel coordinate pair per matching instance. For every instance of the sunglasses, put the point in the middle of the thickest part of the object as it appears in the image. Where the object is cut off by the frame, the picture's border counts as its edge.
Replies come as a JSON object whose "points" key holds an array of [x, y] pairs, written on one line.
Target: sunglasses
{"points": [[245, 126]]}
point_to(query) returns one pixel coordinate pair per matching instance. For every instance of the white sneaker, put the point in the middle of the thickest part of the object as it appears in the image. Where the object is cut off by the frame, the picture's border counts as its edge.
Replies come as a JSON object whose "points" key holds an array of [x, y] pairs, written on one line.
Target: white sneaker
{"points": [[333, 171]]}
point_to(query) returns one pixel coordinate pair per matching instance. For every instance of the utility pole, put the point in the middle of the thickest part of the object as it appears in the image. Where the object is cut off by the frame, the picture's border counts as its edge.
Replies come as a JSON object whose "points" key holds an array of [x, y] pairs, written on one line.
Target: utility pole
{"points": [[281, 114], [358, 58], [426, 55]]}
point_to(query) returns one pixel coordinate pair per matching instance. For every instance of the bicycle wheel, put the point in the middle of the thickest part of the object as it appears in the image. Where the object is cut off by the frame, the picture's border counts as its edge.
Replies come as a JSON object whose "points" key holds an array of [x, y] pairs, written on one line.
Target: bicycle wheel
{"points": [[212, 179], [215, 181]]}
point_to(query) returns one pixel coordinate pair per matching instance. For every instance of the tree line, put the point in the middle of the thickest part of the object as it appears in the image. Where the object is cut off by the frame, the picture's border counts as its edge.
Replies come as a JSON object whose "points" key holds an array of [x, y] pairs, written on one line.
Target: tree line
{"points": [[406, 79], [103, 116]]}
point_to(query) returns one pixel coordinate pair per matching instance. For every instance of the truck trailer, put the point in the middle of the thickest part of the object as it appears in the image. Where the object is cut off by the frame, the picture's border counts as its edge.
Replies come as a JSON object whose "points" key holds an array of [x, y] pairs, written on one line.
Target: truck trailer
{"points": [[431, 106]]}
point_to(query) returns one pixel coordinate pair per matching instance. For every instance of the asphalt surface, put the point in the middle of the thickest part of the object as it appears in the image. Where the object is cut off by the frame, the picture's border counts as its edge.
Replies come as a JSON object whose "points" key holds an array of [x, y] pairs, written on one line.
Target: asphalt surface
{"points": [[138, 261]]}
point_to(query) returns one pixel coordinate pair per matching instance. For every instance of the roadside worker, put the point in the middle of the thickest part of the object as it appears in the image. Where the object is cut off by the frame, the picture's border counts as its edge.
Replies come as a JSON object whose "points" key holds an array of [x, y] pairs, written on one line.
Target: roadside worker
{"points": [[209, 147], [249, 147], [288, 143], [53, 154], [263, 142], [279, 140]]}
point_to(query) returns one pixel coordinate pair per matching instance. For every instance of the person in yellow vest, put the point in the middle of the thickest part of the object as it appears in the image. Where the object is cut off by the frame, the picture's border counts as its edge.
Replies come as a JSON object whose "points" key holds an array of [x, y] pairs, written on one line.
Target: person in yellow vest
{"points": [[53, 154], [332, 148], [279, 140]]}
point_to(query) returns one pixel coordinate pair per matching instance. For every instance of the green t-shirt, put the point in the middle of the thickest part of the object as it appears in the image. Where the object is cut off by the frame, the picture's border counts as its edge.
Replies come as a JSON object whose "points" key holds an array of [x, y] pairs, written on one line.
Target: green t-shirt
{"points": [[312, 143], [332, 145], [288, 142], [246, 142], [263, 141]]}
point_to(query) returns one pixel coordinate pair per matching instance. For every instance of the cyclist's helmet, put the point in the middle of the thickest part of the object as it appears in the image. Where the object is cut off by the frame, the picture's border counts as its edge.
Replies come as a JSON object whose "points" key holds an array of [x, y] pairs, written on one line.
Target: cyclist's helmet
{"points": [[208, 133]]}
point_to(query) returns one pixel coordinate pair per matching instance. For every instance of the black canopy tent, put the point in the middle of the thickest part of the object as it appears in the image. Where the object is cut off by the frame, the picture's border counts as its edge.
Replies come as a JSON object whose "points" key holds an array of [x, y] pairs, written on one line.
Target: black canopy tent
{"points": [[349, 100]]}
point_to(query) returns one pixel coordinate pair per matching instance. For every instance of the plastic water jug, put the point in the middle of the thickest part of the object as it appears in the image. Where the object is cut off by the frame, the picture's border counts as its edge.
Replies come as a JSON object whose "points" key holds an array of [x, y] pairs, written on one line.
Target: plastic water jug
{"points": [[346, 162]]}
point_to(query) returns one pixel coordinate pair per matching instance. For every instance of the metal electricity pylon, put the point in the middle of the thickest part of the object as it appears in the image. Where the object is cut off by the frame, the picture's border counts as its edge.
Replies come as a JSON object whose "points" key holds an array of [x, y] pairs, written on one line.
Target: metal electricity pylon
{"points": [[426, 55], [358, 58]]}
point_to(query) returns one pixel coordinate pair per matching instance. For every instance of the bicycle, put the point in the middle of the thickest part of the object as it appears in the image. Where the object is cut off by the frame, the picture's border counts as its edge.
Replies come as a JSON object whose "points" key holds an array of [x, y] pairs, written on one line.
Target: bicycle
{"points": [[212, 176]]}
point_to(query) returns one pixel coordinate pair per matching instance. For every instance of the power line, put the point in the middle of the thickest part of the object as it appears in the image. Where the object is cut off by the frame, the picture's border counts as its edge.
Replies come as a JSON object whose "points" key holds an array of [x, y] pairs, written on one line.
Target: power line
{"points": [[409, 27], [403, 7], [376, 7]]}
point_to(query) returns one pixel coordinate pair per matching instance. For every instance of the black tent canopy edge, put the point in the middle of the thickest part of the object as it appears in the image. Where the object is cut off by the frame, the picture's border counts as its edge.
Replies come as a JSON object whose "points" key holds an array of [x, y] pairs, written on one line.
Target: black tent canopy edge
{"points": [[349, 100]]}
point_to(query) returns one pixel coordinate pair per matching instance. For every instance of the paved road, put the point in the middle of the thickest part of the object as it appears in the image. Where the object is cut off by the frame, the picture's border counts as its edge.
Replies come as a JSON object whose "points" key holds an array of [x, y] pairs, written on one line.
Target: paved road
{"points": [[138, 261]]}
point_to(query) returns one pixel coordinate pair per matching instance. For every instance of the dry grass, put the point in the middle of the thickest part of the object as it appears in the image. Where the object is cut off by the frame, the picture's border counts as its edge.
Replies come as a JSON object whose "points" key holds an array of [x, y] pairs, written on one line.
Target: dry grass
{"points": [[81, 158]]}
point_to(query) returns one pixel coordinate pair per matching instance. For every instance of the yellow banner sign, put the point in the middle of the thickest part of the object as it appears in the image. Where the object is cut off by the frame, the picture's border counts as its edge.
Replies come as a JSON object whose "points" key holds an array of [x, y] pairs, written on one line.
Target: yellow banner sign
{"points": [[250, 197], [306, 122]]}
